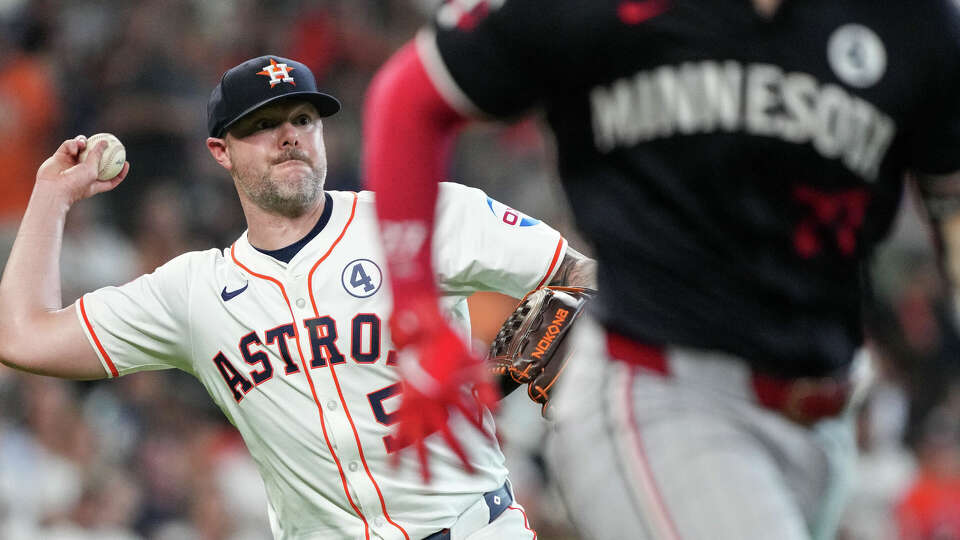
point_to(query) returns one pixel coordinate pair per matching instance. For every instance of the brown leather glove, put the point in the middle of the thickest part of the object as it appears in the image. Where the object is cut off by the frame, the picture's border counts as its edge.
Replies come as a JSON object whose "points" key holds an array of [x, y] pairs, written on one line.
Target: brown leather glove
{"points": [[531, 347]]}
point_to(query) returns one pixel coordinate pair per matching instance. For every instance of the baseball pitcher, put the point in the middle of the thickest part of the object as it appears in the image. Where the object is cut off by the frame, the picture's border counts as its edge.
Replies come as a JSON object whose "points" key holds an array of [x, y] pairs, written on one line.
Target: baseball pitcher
{"points": [[286, 327]]}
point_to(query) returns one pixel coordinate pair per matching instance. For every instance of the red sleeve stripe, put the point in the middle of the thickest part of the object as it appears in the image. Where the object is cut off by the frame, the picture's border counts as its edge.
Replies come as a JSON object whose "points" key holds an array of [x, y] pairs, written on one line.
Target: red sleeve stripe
{"points": [[553, 263], [96, 340]]}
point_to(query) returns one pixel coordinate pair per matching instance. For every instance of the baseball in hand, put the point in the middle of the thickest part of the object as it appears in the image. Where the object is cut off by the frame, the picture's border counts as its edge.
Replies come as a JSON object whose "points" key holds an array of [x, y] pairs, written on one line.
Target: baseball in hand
{"points": [[111, 163]]}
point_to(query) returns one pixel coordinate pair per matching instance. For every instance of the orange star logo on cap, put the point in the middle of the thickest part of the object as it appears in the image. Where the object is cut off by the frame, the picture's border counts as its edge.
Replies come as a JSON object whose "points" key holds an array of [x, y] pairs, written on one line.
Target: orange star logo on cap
{"points": [[278, 73]]}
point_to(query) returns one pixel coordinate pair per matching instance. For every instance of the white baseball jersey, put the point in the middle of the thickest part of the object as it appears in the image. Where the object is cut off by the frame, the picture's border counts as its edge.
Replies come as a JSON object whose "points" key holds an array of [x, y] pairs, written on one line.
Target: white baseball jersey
{"points": [[298, 356]]}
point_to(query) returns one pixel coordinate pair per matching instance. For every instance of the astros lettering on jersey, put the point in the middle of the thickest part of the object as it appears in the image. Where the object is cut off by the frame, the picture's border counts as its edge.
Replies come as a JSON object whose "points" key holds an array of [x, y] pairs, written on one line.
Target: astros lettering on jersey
{"points": [[299, 358]]}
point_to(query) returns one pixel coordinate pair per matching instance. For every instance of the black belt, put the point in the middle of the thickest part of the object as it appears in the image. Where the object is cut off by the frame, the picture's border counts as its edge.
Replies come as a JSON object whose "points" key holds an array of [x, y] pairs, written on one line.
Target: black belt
{"points": [[497, 501]]}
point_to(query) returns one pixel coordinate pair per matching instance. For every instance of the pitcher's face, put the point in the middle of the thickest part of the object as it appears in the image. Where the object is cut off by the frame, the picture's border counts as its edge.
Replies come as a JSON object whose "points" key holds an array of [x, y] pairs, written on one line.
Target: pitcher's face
{"points": [[277, 157]]}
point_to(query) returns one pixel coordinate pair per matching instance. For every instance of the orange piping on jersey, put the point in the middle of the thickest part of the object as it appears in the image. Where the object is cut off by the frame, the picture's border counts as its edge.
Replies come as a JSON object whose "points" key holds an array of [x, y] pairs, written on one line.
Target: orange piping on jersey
{"points": [[306, 371], [336, 382], [556, 257], [526, 523], [106, 357], [353, 211]]}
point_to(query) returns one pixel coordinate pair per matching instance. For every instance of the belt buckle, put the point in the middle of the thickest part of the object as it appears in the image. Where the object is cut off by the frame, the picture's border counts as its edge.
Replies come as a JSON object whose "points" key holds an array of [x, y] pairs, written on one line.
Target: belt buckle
{"points": [[810, 400]]}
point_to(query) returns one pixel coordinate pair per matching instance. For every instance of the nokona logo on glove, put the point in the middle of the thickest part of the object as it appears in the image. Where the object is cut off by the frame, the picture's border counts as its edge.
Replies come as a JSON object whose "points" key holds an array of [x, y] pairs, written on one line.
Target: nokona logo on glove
{"points": [[559, 319]]}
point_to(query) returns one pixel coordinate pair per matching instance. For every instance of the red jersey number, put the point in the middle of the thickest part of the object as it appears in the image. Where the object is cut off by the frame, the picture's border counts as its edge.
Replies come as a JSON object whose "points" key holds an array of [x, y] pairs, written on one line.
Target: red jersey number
{"points": [[830, 218]]}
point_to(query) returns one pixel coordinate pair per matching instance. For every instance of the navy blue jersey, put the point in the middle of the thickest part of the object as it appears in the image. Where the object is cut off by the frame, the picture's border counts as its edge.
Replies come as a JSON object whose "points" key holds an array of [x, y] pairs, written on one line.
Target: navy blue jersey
{"points": [[732, 172]]}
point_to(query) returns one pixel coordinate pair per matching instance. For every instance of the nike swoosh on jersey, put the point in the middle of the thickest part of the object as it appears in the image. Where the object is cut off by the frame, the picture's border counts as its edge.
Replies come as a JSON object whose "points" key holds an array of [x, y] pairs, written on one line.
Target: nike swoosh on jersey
{"points": [[636, 11], [227, 295]]}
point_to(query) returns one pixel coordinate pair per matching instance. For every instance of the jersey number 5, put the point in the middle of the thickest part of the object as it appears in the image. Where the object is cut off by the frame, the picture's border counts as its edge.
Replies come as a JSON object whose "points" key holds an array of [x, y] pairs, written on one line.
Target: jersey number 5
{"points": [[376, 399]]}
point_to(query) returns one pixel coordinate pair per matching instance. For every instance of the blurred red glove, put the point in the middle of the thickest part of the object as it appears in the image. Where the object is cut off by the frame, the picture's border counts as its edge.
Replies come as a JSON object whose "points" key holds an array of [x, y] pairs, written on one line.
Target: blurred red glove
{"points": [[439, 374]]}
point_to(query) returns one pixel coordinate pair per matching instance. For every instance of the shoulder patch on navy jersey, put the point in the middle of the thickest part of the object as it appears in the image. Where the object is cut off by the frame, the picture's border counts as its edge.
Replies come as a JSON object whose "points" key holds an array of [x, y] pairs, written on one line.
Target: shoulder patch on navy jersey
{"points": [[856, 55], [510, 216], [361, 278]]}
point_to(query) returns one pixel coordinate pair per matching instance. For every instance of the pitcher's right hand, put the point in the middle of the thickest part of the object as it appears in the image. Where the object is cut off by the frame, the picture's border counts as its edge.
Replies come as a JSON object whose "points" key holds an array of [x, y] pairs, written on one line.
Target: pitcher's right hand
{"points": [[65, 175]]}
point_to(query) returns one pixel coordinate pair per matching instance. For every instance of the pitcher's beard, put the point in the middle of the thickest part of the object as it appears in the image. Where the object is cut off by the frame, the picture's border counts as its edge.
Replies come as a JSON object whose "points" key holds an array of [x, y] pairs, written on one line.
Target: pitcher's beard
{"points": [[283, 197]]}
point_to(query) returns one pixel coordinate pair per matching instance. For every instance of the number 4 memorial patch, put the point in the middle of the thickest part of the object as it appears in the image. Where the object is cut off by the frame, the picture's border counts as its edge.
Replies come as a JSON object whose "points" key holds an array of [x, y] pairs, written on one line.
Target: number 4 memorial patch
{"points": [[361, 278]]}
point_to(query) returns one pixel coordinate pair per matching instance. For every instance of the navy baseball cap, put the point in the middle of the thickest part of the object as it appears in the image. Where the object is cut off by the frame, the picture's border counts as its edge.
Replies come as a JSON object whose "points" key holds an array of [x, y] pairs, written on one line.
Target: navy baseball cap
{"points": [[257, 82]]}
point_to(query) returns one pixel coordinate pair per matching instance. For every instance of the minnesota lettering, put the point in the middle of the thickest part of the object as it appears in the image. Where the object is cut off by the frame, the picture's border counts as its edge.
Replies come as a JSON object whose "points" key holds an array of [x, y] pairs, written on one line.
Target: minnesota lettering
{"points": [[759, 99]]}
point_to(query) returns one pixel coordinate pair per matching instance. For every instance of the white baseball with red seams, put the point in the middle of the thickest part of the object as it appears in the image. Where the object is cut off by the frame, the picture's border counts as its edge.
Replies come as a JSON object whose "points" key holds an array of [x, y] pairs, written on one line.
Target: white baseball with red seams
{"points": [[113, 157], [298, 356]]}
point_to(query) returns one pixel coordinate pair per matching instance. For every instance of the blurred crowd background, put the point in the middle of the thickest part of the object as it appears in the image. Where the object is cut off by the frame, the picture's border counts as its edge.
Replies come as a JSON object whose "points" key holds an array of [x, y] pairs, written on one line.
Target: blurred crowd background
{"points": [[148, 456]]}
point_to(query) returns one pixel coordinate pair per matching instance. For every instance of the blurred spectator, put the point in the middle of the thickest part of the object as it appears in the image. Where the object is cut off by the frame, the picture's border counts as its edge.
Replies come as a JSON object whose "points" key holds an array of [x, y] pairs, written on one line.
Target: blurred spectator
{"points": [[94, 253], [232, 497], [104, 511], [152, 99], [930, 510], [29, 113], [42, 459], [885, 467], [916, 328], [160, 227]]}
